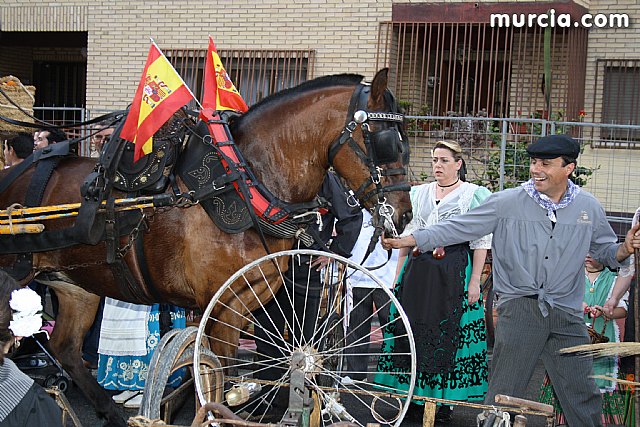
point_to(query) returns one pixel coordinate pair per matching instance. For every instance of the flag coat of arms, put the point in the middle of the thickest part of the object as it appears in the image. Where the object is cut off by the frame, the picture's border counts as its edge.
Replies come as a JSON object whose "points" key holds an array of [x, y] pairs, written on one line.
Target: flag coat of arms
{"points": [[219, 91], [161, 92]]}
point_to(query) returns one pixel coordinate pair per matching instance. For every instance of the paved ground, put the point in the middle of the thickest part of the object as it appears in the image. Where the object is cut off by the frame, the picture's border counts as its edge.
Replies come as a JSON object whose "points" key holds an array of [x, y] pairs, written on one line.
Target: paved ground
{"points": [[462, 417]]}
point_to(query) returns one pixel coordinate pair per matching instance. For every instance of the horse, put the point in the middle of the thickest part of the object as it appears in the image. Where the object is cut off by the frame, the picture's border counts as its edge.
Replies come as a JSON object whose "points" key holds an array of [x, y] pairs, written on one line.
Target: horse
{"points": [[289, 140]]}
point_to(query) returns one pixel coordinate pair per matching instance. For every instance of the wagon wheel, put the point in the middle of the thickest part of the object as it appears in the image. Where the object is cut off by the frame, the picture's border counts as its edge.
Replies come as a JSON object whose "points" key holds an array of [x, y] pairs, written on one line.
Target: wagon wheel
{"points": [[175, 351], [317, 364]]}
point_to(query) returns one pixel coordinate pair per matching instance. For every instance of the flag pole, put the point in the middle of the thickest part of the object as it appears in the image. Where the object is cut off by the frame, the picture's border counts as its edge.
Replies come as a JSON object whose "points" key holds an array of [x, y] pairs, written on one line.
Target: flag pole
{"points": [[179, 76]]}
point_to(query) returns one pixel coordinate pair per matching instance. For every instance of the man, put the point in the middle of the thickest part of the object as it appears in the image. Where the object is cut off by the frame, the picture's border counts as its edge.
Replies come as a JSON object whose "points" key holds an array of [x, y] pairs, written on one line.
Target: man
{"points": [[369, 300], [99, 139], [542, 232], [44, 137], [17, 149]]}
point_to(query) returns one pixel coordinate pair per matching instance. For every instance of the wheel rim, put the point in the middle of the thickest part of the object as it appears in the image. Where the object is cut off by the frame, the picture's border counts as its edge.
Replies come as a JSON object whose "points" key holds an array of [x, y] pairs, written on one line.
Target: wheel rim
{"points": [[323, 356]]}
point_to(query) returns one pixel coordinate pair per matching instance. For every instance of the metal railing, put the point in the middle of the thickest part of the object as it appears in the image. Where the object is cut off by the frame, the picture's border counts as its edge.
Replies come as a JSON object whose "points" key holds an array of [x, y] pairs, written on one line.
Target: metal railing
{"points": [[494, 150], [495, 153]]}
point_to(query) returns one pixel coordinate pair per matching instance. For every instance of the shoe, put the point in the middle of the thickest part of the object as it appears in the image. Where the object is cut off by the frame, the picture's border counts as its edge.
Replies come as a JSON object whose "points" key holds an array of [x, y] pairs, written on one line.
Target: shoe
{"points": [[124, 396], [134, 402], [444, 414]]}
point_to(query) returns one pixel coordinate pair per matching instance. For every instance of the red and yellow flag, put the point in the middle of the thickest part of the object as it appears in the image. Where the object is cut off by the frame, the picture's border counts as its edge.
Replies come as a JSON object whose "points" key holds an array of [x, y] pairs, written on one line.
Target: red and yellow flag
{"points": [[161, 92], [219, 91]]}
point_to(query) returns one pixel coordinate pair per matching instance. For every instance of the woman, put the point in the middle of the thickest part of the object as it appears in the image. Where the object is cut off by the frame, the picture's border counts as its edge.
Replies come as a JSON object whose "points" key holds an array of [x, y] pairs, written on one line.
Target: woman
{"points": [[23, 402], [440, 292], [128, 336], [599, 283]]}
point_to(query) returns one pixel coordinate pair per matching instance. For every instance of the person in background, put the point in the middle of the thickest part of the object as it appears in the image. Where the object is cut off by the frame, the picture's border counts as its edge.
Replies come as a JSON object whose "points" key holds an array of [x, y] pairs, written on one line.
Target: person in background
{"points": [[542, 232], [440, 293], [100, 138], [599, 284], [128, 336], [345, 222], [22, 401], [368, 299], [44, 137], [621, 287], [92, 338], [17, 149]]}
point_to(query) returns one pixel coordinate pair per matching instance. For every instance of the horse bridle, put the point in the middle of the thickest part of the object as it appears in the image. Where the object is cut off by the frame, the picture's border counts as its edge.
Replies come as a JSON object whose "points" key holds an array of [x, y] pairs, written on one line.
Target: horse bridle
{"points": [[382, 147]]}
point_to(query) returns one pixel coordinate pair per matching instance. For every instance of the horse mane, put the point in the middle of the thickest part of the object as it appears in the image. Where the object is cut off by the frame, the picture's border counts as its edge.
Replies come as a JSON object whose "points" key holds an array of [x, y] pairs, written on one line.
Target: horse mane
{"points": [[309, 85]]}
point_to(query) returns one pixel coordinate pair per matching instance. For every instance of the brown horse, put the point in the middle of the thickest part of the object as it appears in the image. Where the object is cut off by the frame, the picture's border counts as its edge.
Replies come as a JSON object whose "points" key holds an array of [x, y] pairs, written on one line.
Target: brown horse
{"points": [[286, 139]]}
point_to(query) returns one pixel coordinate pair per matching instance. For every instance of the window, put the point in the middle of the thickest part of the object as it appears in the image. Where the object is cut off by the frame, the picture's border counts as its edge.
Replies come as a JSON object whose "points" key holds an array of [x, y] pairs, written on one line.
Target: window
{"points": [[256, 73], [621, 100]]}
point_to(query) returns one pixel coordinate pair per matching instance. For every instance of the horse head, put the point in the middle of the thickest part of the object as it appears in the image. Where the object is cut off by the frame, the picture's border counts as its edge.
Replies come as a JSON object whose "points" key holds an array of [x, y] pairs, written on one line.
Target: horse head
{"points": [[376, 153], [291, 138]]}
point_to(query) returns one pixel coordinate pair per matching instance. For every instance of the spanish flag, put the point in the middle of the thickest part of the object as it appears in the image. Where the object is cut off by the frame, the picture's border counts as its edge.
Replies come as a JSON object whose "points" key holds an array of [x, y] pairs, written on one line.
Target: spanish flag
{"points": [[219, 91], [161, 92]]}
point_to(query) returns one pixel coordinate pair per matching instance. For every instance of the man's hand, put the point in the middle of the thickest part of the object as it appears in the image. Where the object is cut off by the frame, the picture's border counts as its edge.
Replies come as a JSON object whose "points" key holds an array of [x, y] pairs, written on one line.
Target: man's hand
{"points": [[397, 243], [631, 242], [320, 262]]}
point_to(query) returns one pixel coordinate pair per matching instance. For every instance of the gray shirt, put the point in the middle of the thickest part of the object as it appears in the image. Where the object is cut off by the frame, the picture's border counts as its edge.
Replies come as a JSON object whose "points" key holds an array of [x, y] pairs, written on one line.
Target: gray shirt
{"points": [[530, 257]]}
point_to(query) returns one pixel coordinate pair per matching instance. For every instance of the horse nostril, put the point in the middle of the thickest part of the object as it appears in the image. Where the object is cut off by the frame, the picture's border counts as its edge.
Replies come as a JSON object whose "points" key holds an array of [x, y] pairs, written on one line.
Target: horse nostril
{"points": [[406, 219]]}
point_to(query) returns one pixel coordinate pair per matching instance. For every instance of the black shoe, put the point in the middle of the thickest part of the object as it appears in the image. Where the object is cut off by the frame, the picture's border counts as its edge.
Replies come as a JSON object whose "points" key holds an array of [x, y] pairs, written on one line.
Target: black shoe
{"points": [[444, 414]]}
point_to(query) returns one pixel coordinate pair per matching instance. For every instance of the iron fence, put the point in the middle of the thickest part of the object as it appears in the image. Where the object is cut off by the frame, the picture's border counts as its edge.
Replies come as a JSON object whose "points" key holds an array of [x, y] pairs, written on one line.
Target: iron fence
{"points": [[495, 153], [494, 149]]}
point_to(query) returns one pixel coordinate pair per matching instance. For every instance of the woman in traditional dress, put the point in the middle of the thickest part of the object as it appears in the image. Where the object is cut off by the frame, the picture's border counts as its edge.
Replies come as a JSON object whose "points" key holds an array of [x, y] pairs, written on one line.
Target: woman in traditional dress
{"points": [[440, 293], [128, 336], [599, 283]]}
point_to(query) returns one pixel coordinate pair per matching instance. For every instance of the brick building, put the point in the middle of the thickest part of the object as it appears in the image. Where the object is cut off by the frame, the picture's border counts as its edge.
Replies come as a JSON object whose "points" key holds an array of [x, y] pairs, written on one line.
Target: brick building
{"points": [[443, 55]]}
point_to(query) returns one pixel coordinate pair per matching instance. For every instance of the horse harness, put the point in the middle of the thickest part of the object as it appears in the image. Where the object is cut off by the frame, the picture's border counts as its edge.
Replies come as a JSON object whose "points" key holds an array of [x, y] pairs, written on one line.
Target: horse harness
{"points": [[271, 216], [382, 147]]}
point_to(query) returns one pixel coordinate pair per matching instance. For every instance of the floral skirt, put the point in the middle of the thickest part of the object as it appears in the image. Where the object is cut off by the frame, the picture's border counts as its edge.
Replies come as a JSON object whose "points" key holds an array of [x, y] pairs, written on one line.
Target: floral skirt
{"points": [[130, 372], [613, 404], [463, 376]]}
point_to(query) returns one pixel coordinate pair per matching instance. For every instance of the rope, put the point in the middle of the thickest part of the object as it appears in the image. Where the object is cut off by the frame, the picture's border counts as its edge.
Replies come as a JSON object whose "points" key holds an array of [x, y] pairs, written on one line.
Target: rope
{"points": [[10, 209]]}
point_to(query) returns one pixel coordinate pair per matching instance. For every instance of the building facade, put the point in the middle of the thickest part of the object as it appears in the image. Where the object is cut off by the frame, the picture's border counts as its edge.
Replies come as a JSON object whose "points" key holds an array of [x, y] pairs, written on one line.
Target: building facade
{"points": [[444, 56]]}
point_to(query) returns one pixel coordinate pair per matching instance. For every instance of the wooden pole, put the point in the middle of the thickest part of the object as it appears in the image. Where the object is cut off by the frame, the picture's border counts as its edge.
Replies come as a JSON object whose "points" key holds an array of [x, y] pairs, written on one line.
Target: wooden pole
{"points": [[66, 207], [21, 229], [429, 414], [502, 399]]}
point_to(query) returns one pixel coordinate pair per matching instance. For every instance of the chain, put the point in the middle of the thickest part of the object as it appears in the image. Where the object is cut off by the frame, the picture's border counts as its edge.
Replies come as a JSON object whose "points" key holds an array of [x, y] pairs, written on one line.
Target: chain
{"points": [[71, 266], [185, 200], [132, 237], [386, 211]]}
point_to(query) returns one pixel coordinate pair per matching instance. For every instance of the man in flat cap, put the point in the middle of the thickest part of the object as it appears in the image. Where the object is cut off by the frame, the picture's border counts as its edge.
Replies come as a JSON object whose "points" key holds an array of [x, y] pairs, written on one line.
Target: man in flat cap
{"points": [[542, 232]]}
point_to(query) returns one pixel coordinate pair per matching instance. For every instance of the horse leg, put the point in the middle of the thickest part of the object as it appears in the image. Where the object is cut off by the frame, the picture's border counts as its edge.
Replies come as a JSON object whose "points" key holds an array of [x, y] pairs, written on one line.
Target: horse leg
{"points": [[76, 314]]}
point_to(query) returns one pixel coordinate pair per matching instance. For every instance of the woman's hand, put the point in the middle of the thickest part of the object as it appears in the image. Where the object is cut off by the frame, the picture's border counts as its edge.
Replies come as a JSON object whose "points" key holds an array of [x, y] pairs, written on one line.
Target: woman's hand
{"points": [[474, 290], [610, 305], [594, 311]]}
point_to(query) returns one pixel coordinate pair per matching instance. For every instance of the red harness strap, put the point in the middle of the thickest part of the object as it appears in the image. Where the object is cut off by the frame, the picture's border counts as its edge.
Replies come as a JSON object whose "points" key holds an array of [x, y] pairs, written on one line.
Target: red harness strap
{"points": [[231, 159]]}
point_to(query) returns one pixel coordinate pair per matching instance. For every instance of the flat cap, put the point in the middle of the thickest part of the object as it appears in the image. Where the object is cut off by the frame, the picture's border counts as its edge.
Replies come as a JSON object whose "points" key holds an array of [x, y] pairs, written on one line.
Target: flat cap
{"points": [[552, 146]]}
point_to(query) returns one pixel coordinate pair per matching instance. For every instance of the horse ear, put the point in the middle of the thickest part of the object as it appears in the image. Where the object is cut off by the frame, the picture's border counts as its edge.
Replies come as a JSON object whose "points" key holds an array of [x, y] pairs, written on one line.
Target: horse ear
{"points": [[378, 86]]}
